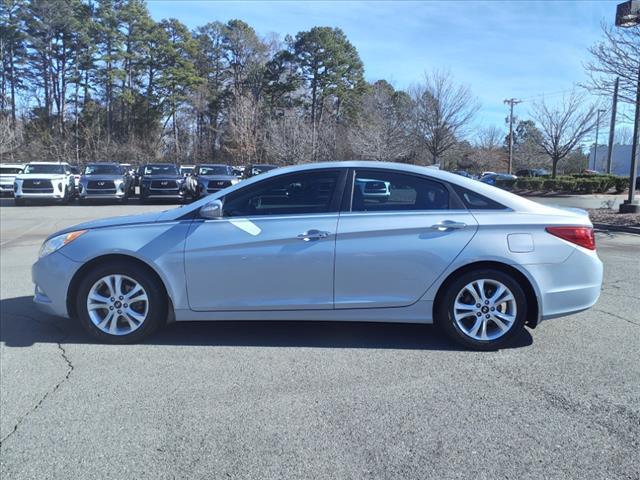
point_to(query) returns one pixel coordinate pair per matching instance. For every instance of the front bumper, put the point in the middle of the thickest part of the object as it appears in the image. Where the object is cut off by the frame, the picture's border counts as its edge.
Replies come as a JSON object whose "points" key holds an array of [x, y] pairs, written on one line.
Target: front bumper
{"points": [[52, 276]]}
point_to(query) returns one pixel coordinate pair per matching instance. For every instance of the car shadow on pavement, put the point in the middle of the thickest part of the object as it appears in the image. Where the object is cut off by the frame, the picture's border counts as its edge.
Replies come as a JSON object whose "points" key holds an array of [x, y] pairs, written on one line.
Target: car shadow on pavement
{"points": [[22, 325]]}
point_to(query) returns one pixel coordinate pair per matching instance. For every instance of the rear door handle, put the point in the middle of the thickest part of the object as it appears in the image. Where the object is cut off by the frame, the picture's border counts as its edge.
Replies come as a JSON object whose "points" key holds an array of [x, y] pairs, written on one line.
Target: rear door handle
{"points": [[311, 235], [447, 225]]}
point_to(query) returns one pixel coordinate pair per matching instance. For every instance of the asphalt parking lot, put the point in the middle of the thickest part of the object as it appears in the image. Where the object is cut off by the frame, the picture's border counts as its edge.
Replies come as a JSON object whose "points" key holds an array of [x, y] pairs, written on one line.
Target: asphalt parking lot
{"points": [[313, 400]]}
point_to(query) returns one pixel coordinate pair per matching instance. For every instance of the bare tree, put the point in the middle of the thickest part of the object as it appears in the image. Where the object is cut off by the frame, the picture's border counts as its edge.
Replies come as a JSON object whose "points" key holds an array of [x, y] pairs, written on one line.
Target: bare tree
{"points": [[382, 130], [489, 152], [616, 55], [10, 138], [443, 112], [246, 133], [563, 126], [289, 139]]}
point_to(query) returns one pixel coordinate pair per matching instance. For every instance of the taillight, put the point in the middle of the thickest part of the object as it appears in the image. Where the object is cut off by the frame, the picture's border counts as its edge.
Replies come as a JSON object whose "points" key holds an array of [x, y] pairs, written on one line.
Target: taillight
{"points": [[582, 236]]}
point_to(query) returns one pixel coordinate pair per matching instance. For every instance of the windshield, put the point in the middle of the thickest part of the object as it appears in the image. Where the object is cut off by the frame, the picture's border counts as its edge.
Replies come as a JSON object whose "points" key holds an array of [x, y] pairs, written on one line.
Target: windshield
{"points": [[160, 170], [215, 170], [106, 169], [10, 170], [44, 168]]}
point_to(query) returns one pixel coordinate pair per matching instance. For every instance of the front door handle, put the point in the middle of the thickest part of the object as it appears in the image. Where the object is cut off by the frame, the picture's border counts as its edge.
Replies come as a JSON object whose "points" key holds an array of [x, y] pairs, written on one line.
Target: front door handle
{"points": [[310, 235], [446, 225]]}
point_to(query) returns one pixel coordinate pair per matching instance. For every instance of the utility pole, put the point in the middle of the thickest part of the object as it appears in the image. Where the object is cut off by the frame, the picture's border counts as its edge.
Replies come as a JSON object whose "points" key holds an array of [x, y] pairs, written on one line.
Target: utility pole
{"points": [[511, 102], [612, 128], [595, 150]]}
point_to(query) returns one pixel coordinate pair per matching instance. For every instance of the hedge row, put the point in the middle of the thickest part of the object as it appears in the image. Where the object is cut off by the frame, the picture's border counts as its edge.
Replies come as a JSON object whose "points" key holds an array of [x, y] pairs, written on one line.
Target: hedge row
{"points": [[568, 183]]}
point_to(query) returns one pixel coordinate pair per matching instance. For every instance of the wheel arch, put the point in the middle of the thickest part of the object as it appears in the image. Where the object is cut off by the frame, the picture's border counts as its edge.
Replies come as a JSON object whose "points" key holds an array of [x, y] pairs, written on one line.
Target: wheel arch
{"points": [[106, 259], [533, 302]]}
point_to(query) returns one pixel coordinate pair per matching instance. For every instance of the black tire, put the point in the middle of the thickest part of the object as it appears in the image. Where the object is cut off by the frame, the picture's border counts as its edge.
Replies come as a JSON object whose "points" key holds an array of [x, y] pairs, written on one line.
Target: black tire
{"points": [[19, 202], [445, 316], [157, 311]]}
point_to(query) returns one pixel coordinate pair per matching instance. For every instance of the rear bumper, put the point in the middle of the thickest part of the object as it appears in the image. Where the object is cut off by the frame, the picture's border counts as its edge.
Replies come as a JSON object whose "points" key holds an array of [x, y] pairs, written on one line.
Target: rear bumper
{"points": [[568, 287]]}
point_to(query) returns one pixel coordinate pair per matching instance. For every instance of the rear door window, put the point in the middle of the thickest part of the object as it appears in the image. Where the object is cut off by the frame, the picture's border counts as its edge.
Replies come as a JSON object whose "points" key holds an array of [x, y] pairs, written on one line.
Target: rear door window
{"points": [[386, 191]]}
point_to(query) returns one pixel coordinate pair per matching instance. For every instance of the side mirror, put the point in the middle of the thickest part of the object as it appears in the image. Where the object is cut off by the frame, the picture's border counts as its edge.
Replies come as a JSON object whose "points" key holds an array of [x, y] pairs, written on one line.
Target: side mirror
{"points": [[212, 210]]}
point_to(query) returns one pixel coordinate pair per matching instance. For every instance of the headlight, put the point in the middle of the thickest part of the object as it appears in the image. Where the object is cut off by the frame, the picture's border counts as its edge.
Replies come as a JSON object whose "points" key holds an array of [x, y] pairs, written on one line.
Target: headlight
{"points": [[58, 242]]}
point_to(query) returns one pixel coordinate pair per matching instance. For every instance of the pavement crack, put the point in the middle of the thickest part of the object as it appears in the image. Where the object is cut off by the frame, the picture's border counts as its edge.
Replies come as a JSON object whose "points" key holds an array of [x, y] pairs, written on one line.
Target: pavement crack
{"points": [[617, 316], [39, 403]]}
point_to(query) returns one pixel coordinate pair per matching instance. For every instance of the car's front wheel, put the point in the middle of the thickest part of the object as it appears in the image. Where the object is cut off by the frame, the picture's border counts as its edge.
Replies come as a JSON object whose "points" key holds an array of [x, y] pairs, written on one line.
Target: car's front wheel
{"points": [[483, 309], [121, 303]]}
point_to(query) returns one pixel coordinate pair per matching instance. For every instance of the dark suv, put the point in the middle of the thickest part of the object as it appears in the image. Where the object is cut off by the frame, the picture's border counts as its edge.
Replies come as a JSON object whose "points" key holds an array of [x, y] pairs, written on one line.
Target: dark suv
{"points": [[209, 178], [162, 181]]}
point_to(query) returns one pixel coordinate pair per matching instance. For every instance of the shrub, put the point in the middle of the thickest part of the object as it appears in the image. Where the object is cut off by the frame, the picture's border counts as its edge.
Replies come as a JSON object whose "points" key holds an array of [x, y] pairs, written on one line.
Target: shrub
{"points": [[529, 183], [622, 183], [505, 183]]}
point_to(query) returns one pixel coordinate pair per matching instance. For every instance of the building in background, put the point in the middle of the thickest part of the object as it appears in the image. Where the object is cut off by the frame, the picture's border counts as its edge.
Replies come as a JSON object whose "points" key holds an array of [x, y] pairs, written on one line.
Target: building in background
{"points": [[620, 159]]}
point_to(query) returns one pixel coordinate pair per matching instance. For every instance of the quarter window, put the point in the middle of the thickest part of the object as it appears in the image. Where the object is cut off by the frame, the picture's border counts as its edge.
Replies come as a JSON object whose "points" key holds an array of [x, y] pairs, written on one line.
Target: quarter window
{"points": [[383, 191], [304, 193]]}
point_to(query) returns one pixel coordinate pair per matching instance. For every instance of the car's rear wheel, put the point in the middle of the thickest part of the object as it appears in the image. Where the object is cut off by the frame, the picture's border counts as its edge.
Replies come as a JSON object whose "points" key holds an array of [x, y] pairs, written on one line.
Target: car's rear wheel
{"points": [[120, 303], [483, 309]]}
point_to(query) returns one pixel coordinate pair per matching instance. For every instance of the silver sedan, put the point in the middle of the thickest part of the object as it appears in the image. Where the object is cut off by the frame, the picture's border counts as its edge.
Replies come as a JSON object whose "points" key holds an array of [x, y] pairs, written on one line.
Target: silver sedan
{"points": [[305, 243]]}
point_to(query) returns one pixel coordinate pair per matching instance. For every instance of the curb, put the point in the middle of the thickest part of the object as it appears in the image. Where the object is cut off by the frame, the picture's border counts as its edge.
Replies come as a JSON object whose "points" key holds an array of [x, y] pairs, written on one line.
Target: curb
{"points": [[616, 228]]}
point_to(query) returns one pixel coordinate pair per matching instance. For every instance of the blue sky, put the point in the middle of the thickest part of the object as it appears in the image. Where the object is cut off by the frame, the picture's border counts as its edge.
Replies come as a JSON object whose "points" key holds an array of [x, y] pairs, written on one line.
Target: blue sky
{"points": [[519, 49]]}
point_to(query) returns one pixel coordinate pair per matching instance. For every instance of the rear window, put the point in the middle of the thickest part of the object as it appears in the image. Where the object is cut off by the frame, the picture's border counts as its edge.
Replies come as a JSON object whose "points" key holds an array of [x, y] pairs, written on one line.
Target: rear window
{"points": [[10, 170], [475, 201]]}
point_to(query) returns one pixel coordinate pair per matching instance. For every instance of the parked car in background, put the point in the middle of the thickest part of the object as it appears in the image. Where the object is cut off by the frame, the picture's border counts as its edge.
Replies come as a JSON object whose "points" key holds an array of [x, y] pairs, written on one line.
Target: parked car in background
{"points": [[490, 179], [105, 181], [532, 172], [162, 181], [238, 170], [463, 173], [297, 244], [44, 181], [210, 178], [257, 169], [8, 172], [75, 171], [186, 170], [371, 189]]}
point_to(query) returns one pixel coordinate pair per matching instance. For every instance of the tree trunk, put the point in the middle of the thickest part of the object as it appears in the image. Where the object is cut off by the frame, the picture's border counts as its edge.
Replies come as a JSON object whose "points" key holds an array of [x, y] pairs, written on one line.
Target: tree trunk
{"points": [[554, 170]]}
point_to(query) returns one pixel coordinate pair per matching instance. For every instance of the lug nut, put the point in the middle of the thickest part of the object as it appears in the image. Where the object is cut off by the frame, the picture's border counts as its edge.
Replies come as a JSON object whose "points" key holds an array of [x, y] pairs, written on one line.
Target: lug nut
{"points": [[493, 308], [478, 305], [478, 314], [112, 299], [126, 305], [110, 308], [121, 297], [486, 302], [486, 316], [120, 311]]}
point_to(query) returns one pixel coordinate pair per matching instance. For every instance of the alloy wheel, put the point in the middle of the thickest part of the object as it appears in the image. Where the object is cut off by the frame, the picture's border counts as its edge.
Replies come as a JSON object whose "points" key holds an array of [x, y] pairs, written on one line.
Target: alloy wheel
{"points": [[117, 304], [485, 309]]}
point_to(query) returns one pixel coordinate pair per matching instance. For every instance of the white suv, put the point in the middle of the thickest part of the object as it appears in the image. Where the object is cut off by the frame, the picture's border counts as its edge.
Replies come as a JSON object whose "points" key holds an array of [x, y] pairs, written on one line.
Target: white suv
{"points": [[44, 180], [8, 172]]}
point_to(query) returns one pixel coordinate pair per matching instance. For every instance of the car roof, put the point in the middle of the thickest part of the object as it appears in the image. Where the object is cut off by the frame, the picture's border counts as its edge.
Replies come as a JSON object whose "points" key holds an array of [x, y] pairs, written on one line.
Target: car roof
{"points": [[103, 163], [12, 164]]}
